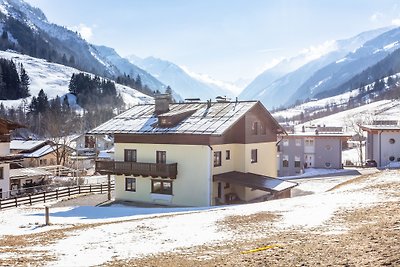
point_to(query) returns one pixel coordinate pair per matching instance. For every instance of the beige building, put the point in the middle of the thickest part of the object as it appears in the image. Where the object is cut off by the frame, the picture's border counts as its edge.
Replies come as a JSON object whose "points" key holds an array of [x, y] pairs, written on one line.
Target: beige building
{"points": [[194, 154], [5, 156]]}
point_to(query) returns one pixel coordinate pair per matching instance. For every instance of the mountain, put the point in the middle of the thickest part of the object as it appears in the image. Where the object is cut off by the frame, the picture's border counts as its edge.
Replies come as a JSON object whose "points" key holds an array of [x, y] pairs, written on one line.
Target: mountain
{"points": [[27, 30], [54, 79], [342, 70], [107, 54], [185, 83], [290, 74]]}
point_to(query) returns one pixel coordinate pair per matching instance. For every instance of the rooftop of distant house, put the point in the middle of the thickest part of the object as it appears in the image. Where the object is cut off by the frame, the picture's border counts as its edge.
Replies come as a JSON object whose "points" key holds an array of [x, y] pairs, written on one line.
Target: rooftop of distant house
{"points": [[318, 132], [382, 125]]}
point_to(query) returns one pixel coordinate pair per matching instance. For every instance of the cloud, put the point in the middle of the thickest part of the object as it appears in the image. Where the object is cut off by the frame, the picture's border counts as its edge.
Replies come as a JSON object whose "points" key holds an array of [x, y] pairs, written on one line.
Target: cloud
{"points": [[396, 22], [269, 50], [85, 31], [376, 16]]}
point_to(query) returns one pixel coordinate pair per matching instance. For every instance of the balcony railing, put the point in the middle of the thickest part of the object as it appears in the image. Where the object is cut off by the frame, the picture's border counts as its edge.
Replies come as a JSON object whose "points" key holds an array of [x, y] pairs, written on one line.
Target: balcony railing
{"points": [[137, 168]]}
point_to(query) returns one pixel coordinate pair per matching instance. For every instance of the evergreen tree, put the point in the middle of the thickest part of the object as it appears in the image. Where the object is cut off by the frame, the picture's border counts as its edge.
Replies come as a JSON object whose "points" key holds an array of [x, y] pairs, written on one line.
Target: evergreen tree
{"points": [[25, 82]]}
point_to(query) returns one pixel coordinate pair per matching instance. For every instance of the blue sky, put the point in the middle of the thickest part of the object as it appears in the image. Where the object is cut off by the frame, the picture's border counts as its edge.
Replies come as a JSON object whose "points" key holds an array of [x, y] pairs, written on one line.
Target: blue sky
{"points": [[226, 39]]}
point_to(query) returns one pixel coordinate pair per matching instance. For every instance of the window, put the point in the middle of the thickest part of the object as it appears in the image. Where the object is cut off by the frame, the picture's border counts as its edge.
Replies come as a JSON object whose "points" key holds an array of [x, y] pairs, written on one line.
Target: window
{"points": [[327, 164], [285, 142], [161, 187], [254, 128], [297, 162], [309, 142], [217, 158], [227, 185], [253, 155], [228, 155], [1, 173], [130, 155], [161, 157], [285, 161], [392, 141], [298, 142], [391, 158], [130, 184]]}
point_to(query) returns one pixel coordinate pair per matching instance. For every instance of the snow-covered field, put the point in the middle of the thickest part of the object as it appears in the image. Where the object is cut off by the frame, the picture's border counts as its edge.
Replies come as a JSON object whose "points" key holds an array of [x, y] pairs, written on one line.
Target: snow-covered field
{"points": [[54, 80], [95, 235]]}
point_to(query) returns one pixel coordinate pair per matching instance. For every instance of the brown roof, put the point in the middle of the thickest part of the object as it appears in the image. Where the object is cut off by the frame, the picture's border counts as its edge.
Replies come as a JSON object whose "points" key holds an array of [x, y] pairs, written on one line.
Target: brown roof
{"points": [[196, 118], [6, 126]]}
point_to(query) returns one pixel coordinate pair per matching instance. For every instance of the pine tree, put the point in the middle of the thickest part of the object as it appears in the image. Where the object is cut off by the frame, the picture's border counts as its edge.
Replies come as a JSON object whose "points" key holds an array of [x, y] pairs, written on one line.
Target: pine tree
{"points": [[25, 82]]}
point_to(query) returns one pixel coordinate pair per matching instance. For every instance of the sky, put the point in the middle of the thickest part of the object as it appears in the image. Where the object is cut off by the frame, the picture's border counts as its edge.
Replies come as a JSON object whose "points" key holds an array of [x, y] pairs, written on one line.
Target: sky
{"points": [[229, 40]]}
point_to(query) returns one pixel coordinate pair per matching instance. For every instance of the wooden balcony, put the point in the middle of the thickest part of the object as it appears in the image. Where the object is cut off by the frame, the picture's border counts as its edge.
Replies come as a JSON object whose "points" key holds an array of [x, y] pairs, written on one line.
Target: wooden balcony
{"points": [[137, 168]]}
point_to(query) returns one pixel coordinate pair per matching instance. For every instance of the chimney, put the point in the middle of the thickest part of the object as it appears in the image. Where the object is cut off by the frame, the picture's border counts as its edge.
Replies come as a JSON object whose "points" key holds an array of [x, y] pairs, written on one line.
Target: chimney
{"points": [[161, 103]]}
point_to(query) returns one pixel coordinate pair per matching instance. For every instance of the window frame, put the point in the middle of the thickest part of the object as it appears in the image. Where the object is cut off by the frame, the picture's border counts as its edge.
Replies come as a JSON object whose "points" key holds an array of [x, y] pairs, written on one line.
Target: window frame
{"points": [[130, 155], [217, 158], [254, 156], [227, 155], [161, 157], [132, 182], [163, 190]]}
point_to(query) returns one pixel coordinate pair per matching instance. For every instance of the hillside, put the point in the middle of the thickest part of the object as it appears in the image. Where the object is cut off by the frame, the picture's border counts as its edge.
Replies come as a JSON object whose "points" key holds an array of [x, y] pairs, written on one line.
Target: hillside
{"points": [[54, 80], [290, 74], [355, 223]]}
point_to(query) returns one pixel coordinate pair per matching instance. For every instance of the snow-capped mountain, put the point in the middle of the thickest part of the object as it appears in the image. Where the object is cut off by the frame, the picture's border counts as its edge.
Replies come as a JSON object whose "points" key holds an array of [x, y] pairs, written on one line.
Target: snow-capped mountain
{"points": [[30, 32], [286, 77], [343, 69], [107, 54], [54, 80], [186, 83]]}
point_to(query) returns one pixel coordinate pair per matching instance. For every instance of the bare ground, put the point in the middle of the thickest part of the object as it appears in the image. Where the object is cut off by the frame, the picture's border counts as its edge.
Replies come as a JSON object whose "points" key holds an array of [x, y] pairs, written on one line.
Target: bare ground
{"points": [[366, 237]]}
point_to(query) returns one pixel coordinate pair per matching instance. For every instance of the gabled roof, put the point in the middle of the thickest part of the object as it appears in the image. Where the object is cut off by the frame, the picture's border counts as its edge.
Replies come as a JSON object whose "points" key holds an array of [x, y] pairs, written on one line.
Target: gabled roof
{"points": [[207, 119], [26, 144], [40, 152], [371, 128]]}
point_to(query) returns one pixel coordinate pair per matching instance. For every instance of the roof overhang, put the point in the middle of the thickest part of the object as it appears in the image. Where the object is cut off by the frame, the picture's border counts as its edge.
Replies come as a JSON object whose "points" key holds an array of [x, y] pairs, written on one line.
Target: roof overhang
{"points": [[255, 181]]}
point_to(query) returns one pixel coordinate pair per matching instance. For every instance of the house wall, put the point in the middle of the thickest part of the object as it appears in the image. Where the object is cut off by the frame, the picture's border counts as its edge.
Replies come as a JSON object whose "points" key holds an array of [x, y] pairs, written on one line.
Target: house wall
{"points": [[328, 153], [192, 187], [5, 182], [382, 149], [4, 148], [292, 150], [46, 160], [241, 161]]}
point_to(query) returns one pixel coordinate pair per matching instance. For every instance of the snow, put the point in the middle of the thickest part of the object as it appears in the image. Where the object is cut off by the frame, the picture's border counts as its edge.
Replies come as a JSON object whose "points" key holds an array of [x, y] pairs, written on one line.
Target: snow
{"points": [[155, 230], [312, 172], [54, 79]]}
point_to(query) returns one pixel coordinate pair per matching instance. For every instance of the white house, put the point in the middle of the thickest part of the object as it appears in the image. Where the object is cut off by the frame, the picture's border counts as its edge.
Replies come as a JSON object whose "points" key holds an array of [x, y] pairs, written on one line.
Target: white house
{"points": [[194, 154]]}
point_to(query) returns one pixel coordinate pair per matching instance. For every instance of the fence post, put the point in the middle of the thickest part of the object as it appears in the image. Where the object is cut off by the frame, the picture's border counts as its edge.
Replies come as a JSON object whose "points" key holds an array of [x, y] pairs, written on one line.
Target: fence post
{"points": [[16, 201], [101, 188], [69, 191], [0, 203], [44, 196], [47, 216], [79, 189], [57, 193], [30, 199], [90, 188], [109, 186]]}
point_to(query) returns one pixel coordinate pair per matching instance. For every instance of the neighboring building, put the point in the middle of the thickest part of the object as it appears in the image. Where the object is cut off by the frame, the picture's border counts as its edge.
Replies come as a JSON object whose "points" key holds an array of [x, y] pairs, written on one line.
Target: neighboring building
{"points": [[319, 148], [27, 180], [194, 154], [5, 155], [383, 142], [86, 144], [39, 153]]}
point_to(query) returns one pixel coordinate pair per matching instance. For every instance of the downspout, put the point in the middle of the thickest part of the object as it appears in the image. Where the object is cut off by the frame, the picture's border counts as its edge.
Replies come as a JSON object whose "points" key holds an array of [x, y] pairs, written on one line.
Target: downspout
{"points": [[380, 148], [211, 182]]}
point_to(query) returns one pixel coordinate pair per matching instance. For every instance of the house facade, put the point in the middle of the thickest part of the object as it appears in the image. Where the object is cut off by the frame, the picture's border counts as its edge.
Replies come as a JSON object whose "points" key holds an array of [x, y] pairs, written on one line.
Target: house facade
{"points": [[5, 156], [383, 142], [194, 154], [321, 148]]}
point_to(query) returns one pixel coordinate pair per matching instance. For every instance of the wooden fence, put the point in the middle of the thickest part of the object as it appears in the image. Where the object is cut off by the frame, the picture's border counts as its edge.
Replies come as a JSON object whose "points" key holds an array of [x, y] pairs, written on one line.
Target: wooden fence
{"points": [[53, 195]]}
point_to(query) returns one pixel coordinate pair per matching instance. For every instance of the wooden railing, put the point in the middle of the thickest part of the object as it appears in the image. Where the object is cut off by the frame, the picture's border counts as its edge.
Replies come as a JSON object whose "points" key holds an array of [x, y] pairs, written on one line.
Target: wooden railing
{"points": [[53, 195], [137, 168]]}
